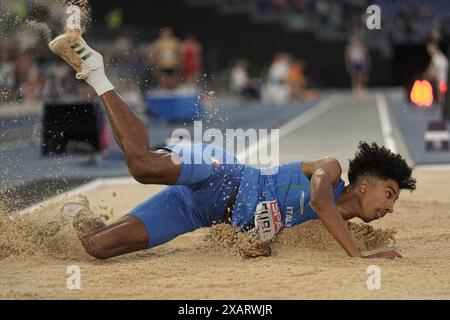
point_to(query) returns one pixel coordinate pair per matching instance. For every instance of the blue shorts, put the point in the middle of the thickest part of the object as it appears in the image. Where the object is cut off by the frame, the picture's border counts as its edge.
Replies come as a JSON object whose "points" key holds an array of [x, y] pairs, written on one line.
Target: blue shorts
{"points": [[208, 178], [358, 68]]}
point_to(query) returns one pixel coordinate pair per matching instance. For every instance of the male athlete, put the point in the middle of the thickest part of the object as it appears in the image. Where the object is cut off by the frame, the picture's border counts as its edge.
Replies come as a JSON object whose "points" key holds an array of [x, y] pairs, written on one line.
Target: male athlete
{"points": [[207, 185]]}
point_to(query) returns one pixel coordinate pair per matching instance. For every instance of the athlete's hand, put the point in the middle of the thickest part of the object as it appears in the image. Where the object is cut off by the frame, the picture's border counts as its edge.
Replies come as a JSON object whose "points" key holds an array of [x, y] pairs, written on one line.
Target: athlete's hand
{"points": [[391, 254], [260, 249]]}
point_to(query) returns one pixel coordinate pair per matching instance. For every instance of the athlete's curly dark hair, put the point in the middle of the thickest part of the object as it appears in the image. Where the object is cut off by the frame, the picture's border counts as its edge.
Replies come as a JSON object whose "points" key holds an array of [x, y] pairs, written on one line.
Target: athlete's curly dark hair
{"points": [[382, 163]]}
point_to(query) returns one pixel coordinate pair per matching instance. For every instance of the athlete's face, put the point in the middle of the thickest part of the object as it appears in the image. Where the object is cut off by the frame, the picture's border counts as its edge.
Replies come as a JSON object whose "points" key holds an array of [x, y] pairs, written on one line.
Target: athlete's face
{"points": [[378, 197]]}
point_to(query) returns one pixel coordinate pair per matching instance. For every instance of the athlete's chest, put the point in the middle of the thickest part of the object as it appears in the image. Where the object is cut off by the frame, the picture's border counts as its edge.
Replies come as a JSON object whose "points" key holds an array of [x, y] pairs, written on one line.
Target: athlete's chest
{"points": [[293, 195]]}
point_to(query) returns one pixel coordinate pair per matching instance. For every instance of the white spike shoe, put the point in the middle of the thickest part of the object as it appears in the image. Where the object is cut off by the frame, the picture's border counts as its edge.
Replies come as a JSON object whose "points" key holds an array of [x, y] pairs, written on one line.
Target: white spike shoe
{"points": [[72, 48]]}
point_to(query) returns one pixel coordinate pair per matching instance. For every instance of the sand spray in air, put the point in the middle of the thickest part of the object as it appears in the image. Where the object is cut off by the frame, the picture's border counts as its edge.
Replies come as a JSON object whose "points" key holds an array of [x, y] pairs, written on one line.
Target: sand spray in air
{"points": [[29, 27], [38, 21]]}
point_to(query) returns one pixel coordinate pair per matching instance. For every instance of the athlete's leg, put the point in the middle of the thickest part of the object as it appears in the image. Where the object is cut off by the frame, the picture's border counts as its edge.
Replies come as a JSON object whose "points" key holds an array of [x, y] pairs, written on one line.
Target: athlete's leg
{"points": [[101, 241], [154, 222], [125, 236], [130, 132]]}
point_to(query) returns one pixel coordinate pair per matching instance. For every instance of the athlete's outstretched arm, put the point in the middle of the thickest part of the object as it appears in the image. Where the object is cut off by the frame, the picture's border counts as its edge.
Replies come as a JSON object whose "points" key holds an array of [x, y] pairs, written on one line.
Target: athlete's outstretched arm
{"points": [[322, 181], [146, 166], [328, 213]]}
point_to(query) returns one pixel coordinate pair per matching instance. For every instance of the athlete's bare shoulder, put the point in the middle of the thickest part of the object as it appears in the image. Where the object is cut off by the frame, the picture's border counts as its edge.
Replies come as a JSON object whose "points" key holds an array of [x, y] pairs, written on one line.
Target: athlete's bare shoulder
{"points": [[329, 164]]}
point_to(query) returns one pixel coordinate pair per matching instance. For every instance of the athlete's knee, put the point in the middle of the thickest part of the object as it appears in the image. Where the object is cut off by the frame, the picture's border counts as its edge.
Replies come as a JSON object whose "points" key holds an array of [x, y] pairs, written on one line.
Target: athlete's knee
{"points": [[96, 248], [141, 168], [152, 169]]}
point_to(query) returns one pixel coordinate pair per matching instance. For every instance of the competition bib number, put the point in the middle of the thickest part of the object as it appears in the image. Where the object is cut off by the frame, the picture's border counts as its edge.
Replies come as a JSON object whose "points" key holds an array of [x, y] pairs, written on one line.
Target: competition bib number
{"points": [[268, 220]]}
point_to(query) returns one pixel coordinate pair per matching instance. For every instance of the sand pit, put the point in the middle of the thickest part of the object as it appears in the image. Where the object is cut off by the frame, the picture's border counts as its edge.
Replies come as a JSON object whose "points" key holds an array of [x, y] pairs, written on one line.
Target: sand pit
{"points": [[306, 263]]}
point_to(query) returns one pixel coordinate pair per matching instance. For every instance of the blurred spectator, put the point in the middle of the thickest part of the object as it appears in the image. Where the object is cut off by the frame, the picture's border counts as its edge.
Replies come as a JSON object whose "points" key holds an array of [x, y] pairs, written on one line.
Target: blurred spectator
{"points": [[165, 53], [60, 81], [151, 71], [414, 22], [35, 83], [300, 6], [240, 82], [296, 78], [134, 98], [357, 63], [323, 9], [29, 77], [277, 90], [114, 18], [298, 82], [271, 6], [437, 70], [7, 75], [191, 59], [124, 58], [278, 6]]}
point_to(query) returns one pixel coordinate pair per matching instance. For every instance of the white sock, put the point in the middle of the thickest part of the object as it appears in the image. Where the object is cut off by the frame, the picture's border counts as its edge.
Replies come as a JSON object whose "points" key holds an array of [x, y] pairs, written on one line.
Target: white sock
{"points": [[98, 80]]}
